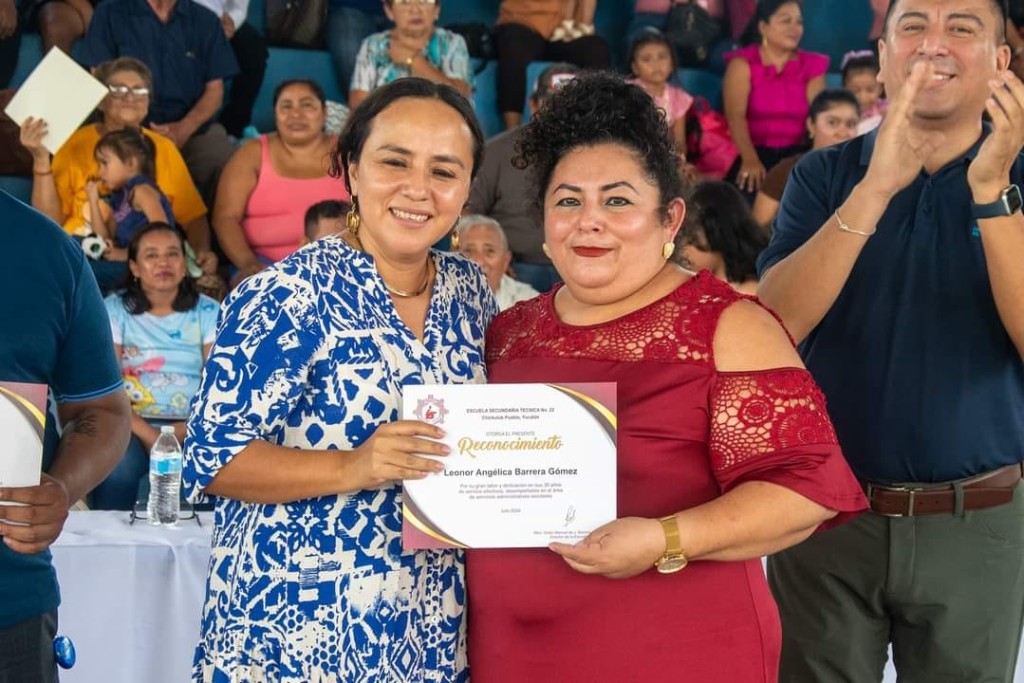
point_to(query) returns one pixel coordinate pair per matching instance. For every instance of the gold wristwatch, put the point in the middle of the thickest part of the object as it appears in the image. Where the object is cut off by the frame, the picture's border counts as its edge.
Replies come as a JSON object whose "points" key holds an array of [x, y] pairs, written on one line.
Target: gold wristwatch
{"points": [[674, 558]]}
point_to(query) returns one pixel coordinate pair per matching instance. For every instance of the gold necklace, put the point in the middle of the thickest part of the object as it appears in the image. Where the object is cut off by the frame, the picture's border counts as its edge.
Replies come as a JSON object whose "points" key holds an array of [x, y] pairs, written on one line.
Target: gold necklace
{"points": [[355, 242]]}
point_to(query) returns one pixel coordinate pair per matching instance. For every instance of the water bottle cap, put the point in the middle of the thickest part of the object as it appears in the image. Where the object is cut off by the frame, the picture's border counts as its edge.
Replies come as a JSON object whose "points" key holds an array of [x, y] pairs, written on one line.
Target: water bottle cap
{"points": [[64, 652], [167, 429]]}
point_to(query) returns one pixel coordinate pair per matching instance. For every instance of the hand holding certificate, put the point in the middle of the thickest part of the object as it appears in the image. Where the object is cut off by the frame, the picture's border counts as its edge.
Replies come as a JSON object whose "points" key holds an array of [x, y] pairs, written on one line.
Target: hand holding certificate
{"points": [[529, 464]]}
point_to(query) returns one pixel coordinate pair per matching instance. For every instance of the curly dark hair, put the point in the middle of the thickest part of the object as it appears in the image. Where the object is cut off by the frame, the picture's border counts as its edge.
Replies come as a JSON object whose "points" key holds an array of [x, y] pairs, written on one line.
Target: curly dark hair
{"points": [[134, 299], [597, 108], [360, 121], [719, 212]]}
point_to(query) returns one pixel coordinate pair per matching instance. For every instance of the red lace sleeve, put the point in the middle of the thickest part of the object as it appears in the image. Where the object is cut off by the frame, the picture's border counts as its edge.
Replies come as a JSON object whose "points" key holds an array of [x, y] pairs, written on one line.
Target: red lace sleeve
{"points": [[772, 426]]}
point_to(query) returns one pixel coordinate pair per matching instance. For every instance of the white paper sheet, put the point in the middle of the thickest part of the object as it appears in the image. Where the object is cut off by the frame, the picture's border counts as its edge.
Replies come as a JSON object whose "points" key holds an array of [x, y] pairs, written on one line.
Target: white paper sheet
{"points": [[60, 92], [22, 421]]}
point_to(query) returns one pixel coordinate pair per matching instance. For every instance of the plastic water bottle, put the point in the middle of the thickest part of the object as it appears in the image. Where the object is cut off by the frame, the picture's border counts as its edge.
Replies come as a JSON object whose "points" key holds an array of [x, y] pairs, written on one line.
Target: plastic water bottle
{"points": [[164, 479]]}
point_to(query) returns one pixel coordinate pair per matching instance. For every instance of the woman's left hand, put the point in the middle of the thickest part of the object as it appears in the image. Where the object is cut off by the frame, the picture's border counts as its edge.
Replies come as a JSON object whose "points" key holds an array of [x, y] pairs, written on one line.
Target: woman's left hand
{"points": [[618, 550]]}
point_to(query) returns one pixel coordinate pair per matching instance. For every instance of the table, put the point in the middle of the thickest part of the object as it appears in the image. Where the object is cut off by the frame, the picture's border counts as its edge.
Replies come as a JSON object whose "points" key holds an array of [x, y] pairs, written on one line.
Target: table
{"points": [[114, 578]]}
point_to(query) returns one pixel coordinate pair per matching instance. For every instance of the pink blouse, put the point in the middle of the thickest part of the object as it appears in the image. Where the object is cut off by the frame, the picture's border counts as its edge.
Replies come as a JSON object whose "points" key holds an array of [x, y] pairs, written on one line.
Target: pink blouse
{"points": [[778, 106], [275, 213], [674, 100]]}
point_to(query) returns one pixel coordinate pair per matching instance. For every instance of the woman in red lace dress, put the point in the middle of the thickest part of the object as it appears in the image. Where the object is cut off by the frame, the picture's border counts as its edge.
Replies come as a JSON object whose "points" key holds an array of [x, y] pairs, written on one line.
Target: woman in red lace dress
{"points": [[725, 451]]}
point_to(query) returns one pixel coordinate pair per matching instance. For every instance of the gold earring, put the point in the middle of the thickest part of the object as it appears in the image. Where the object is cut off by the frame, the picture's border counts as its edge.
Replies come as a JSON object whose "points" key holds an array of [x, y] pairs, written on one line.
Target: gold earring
{"points": [[544, 248], [667, 250], [352, 218], [453, 239]]}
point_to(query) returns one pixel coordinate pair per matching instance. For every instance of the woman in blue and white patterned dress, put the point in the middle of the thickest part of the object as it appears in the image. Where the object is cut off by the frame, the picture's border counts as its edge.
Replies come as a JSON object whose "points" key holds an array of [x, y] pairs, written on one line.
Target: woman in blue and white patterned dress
{"points": [[295, 436]]}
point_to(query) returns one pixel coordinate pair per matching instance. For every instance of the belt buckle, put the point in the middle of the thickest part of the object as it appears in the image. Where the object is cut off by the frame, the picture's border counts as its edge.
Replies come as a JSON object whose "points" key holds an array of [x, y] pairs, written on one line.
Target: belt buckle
{"points": [[898, 489]]}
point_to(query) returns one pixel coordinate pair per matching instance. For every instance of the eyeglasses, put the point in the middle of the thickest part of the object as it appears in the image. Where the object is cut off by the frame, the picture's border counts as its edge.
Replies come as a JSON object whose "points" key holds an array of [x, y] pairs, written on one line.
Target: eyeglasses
{"points": [[404, 3], [122, 91]]}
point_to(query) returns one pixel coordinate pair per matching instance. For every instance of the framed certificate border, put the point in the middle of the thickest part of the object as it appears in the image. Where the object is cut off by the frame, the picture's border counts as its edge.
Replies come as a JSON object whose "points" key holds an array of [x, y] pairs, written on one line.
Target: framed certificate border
{"points": [[530, 464]]}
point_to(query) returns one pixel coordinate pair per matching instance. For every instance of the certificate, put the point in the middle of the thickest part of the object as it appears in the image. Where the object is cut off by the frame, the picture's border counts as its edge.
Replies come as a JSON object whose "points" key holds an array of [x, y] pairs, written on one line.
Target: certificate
{"points": [[529, 464], [22, 421], [61, 93]]}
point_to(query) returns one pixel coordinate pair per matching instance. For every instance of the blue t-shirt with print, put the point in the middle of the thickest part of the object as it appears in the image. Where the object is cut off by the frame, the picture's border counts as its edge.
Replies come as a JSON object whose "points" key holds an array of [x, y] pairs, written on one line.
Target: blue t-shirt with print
{"points": [[55, 333], [162, 356]]}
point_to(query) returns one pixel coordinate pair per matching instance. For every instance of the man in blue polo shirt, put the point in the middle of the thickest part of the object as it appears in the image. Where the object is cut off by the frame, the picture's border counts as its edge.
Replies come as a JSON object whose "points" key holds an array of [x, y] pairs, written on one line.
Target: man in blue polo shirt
{"points": [[184, 45], [56, 333], [896, 258]]}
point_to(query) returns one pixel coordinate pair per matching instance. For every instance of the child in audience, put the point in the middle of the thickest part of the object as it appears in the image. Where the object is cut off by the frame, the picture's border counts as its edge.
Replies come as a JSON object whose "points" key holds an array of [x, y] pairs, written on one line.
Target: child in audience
{"points": [[126, 163], [653, 63], [577, 21], [860, 76], [325, 218]]}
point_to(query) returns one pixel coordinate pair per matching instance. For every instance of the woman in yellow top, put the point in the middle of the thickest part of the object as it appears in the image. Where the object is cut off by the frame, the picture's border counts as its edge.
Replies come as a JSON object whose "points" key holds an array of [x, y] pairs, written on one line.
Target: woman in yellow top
{"points": [[58, 186]]}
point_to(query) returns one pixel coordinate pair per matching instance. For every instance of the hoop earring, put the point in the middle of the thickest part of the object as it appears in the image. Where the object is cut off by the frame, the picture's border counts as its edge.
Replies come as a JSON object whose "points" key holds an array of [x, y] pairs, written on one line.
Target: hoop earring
{"points": [[667, 250], [544, 248], [352, 218]]}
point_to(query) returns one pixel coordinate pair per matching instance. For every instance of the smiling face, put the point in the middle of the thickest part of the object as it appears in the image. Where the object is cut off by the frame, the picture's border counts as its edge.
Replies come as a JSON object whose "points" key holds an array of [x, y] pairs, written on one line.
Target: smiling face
{"points": [[160, 262], [960, 39], [602, 223], [412, 177], [484, 246], [127, 110], [299, 115], [836, 124], [784, 29], [652, 63]]}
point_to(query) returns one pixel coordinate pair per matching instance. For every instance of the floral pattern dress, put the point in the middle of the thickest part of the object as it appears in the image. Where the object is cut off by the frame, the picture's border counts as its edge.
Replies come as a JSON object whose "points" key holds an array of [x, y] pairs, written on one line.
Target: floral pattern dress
{"points": [[311, 354]]}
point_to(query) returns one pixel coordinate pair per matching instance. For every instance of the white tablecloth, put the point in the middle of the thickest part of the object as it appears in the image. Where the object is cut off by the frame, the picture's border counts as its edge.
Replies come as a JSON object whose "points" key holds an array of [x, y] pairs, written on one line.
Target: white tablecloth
{"points": [[116, 580], [131, 596]]}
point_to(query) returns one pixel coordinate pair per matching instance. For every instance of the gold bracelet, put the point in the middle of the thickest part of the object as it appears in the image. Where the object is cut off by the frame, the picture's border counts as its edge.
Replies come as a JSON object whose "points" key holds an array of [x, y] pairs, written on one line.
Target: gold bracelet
{"points": [[846, 228]]}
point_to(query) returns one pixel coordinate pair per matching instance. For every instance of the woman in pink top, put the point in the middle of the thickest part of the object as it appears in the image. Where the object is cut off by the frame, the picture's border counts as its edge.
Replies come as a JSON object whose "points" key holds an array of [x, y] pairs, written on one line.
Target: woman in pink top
{"points": [[767, 91], [269, 183]]}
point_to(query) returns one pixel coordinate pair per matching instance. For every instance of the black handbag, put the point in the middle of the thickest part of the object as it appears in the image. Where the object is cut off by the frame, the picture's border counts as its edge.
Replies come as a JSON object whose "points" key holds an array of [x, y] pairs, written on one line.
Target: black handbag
{"points": [[296, 23], [692, 32]]}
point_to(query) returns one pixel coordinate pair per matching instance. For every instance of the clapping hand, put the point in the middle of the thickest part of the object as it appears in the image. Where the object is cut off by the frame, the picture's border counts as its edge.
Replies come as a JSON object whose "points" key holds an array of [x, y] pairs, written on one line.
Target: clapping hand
{"points": [[989, 173], [618, 550], [32, 526], [394, 452], [900, 149]]}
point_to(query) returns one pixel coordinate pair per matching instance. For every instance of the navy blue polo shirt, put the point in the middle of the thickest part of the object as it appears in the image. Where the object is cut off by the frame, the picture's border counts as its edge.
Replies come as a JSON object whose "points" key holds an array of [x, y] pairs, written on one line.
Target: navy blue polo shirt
{"points": [[55, 332], [184, 54], [922, 380]]}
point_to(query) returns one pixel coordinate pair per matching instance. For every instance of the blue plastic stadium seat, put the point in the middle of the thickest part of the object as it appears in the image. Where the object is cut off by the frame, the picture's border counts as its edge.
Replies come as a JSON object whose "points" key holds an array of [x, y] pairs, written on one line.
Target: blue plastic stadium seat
{"points": [[285, 64], [703, 83], [485, 98], [834, 28]]}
